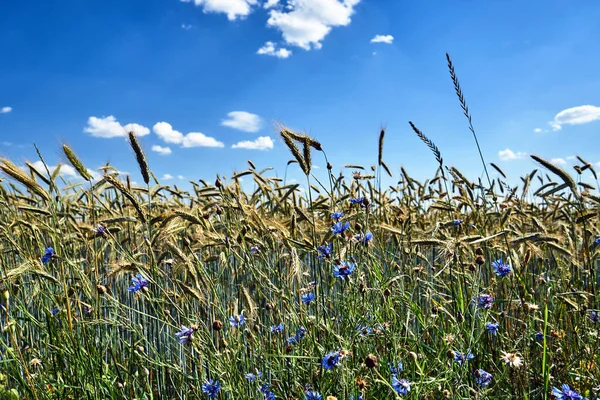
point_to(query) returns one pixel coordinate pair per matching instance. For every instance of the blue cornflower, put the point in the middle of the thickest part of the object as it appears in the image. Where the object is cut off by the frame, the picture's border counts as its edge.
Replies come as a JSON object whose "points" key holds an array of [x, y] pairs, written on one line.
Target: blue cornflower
{"points": [[597, 241], [54, 311], [269, 396], [492, 327], [338, 227], [395, 368], [363, 330], [185, 335], [595, 316], [457, 222], [366, 238], [485, 301], [277, 328], [308, 297], [49, 253], [343, 269], [539, 336], [330, 360], [501, 268], [358, 398], [337, 215], [138, 283], [358, 200], [254, 250], [236, 320], [100, 230], [462, 358], [566, 393], [482, 377], [264, 388], [299, 335], [250, 377], [324, 251], [211, 388], [401, 386], [312, 395]]}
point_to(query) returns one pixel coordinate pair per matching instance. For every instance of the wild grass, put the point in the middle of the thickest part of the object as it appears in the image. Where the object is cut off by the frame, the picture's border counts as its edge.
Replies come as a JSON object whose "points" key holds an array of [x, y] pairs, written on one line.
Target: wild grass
{"points": [[152, 292]]}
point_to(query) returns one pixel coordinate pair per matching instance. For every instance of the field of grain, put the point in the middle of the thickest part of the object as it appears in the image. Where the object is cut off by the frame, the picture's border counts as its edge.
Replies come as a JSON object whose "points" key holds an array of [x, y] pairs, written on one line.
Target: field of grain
{"points": [[447, 288]]}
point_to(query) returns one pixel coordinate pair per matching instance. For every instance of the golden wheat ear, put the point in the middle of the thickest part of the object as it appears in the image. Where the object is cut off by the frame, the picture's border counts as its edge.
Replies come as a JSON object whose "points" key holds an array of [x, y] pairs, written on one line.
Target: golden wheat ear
{"points": [[76, 163], [17, 174]]}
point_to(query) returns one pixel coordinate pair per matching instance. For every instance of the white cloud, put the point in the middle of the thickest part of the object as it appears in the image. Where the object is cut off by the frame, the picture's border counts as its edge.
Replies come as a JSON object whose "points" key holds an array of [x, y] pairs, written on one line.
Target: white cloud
{"points": [[165, 131], [233, 8], [167, 177], [262, 143], [180, 177], [558, 161], [571, 157], [186, 27], [269, 49], [5, 110], [271, 4], [197, 139], [242, 120], [508, 154], [109, 127], [6, 143], [305, 23], [575, 116], [163, 151], [388, 39], [539, 130]]}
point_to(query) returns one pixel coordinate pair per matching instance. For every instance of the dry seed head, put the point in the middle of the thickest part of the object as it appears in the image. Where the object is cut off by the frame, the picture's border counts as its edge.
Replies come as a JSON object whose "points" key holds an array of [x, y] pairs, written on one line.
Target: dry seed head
{"points": [[15, 172], [307, 156], [217, 325], [139, 155], [101, 289], [386, 168], [361, 383], [380, 153], [286, 135], [371, 361]]}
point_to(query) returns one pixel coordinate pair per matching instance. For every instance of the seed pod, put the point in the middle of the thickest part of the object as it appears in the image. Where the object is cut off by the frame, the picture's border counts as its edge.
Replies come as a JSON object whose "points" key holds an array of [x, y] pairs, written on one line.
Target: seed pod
{"points": [[217, 325], [371, 361]]}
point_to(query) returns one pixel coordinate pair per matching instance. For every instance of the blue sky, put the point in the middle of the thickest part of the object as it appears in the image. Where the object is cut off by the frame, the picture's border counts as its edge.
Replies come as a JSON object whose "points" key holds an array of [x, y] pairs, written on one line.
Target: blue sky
{"points": [[208, 79]]}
